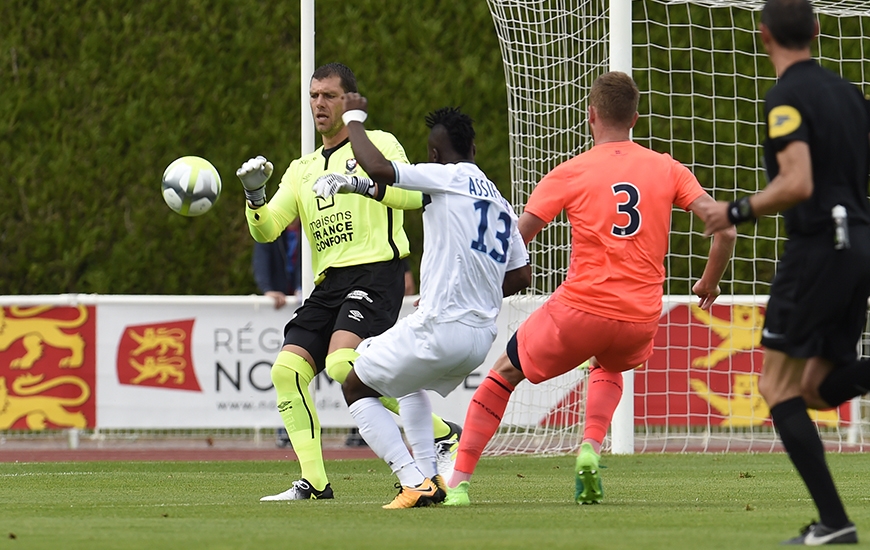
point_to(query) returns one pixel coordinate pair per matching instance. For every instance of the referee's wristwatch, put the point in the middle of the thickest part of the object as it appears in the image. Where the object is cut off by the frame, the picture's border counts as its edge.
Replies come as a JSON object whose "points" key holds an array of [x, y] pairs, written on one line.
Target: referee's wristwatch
{"points": [[740, 211]]}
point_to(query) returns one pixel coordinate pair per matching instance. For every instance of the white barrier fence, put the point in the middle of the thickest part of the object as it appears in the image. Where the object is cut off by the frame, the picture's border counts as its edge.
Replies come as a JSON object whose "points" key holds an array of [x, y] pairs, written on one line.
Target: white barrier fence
{"points": [[159, 362], [202, 363]]}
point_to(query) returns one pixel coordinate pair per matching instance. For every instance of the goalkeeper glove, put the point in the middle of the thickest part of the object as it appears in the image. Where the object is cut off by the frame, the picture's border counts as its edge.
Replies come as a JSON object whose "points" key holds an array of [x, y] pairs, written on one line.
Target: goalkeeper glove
{"points": [[254, 174], [330, 184]]}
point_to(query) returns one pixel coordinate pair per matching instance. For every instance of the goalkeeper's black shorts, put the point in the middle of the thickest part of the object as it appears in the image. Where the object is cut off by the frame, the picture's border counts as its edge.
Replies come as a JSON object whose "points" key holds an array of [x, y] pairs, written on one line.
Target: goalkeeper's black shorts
{"points": [[363, 299]]}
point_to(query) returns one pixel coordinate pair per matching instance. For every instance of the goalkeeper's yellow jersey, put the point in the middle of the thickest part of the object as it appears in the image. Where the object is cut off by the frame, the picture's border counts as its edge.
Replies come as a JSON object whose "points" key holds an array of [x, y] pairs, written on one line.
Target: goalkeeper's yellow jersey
{"points": [[343, 230]]}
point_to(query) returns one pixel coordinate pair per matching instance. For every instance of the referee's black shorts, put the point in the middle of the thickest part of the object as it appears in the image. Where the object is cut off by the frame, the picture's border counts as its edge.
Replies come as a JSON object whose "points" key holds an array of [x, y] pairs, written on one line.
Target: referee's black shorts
{"points": [[818, 300], [363, 299]]}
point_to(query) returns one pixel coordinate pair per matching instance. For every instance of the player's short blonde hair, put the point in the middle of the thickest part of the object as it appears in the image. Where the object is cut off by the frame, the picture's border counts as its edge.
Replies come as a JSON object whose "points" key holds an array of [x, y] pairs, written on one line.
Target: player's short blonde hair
{"points": [[615, 96]]}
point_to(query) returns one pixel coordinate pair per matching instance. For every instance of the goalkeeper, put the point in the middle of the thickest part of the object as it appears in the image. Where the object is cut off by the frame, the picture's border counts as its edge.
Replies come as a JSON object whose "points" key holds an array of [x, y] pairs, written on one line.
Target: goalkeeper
{"points": [[357, 245]]}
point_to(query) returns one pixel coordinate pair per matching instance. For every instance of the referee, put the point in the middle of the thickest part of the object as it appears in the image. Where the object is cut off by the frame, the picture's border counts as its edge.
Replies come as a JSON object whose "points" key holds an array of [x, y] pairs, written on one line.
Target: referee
{"points": [[817, 155]]}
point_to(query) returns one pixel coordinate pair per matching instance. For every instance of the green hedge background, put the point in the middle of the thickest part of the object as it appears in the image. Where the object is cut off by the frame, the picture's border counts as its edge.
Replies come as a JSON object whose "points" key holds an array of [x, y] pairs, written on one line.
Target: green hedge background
{"points": [[97, 97]]}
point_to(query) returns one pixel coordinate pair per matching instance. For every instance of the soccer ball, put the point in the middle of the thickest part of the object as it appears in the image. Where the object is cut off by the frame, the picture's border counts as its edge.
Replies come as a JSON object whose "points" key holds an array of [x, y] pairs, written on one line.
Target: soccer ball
{"points": [[191, 186]]}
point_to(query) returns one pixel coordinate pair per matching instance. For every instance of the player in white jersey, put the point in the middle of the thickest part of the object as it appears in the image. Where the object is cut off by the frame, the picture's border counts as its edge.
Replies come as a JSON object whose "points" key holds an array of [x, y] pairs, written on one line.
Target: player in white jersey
{"points": [[473, 256]]}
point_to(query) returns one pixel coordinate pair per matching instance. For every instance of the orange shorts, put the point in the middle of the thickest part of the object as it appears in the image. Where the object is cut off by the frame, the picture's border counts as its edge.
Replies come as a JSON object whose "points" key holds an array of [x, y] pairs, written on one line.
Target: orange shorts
{"points": [[557, 338]]}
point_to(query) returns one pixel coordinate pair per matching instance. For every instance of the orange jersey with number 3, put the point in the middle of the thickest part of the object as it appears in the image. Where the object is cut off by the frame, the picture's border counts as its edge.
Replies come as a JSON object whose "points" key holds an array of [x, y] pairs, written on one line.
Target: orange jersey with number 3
{"points": [[618, 198]]}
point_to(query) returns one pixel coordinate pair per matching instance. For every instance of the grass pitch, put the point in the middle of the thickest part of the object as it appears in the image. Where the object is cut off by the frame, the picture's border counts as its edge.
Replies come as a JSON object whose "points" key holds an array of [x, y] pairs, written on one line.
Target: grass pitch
{"points": [[652, 501]]}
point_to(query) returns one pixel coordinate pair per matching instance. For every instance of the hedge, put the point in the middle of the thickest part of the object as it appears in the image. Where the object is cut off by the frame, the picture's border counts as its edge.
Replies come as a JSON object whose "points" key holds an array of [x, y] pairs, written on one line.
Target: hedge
{"points": [[98, 97]]}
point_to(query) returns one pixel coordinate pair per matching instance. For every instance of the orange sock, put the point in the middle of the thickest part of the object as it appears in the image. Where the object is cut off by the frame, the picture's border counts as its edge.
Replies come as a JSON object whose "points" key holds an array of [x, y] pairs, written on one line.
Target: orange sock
{"points": [[603, 392], [482, 420]]}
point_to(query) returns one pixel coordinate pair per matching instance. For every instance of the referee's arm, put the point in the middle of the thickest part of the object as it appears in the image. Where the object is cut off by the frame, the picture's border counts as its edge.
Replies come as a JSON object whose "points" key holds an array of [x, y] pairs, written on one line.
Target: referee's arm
{"points": [[792, 185]]}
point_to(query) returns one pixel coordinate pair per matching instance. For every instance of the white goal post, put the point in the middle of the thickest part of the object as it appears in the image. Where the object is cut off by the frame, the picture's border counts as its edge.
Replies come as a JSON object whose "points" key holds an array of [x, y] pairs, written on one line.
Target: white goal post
{"points": [[702, 73]]}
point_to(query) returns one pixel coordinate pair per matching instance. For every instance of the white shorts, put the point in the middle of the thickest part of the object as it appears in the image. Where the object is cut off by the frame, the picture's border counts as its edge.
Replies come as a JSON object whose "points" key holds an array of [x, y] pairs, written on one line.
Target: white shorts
{"points": [[416, 354]]}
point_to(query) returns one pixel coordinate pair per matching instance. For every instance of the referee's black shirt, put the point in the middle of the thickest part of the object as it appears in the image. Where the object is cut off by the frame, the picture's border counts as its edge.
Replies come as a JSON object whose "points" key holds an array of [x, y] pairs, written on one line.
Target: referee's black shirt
{"points": [[817, 106]]}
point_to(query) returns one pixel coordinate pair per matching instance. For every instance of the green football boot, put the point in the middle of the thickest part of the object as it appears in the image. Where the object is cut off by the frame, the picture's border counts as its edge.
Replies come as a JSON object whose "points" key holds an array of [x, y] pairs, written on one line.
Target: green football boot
{"points": [[587, 479], [458, 496]]}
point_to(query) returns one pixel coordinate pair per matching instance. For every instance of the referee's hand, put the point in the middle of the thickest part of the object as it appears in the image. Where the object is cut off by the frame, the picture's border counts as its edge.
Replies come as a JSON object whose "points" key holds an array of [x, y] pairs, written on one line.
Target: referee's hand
{"points": [[715, 217]]}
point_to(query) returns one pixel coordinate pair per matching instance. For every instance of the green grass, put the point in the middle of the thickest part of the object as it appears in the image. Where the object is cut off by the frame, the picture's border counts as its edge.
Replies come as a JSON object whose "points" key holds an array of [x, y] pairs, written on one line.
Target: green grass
{"points": [[652, 501]]}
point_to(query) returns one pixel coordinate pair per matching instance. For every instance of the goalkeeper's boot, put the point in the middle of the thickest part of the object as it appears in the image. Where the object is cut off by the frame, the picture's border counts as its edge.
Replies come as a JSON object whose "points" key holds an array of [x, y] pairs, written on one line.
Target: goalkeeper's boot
{"points": [[458, 496], [445, 450], [425, 494], [587, 479], [301, 490]]}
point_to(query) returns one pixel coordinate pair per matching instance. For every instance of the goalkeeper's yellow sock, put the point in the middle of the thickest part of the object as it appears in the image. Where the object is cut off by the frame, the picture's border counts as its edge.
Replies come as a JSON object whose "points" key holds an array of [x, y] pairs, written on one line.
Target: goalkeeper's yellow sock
{"points": [[291, 375], [440, 427], [340, 362]]}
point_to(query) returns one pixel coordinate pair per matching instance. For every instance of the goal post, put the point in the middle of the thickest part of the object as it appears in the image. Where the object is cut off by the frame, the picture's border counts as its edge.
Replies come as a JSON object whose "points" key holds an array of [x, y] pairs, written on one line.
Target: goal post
{"points": [[620, 43], [703, 73]]}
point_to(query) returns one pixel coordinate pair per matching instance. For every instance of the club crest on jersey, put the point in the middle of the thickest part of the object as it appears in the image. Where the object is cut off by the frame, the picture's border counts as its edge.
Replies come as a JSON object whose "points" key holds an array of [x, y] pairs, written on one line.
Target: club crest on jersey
{"points": [[350, 166]]}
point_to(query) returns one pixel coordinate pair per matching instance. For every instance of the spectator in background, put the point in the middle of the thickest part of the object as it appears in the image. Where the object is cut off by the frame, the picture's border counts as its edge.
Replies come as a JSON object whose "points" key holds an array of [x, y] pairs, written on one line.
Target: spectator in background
{"points": [[410, 287], [277, 266]]}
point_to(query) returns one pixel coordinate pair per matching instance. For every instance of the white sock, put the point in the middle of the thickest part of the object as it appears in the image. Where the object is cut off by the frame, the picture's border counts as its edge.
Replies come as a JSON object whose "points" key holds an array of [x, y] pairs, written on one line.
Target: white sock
{"points": [[380, 431], [416, 412]]}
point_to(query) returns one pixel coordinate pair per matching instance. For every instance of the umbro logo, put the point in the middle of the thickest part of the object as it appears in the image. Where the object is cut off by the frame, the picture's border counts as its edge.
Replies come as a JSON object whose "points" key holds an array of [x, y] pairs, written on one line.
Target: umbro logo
{"points": [[355, 315], [359, 295]]}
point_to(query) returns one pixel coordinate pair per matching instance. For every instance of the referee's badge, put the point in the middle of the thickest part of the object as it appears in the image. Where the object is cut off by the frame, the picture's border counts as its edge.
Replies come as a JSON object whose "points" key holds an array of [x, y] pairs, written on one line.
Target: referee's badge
{"points": [[350, 166], [783, 120]]}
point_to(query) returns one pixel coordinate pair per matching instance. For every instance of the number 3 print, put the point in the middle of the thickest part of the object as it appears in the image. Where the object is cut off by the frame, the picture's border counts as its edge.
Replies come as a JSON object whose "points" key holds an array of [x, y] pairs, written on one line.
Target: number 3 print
{"points": [[627, 207]]}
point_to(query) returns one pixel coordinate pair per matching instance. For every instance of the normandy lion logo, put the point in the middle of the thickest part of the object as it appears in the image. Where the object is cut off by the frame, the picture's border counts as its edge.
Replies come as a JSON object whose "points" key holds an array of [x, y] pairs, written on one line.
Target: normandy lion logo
{"points": [[161, 339], [23, 324], [162, 368], [740, 333], [37, 410], [158, 355]]}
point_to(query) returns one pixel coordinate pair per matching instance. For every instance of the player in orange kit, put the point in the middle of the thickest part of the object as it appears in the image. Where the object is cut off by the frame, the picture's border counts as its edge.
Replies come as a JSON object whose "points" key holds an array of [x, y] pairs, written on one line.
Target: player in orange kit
{"points": [[618, 197]]}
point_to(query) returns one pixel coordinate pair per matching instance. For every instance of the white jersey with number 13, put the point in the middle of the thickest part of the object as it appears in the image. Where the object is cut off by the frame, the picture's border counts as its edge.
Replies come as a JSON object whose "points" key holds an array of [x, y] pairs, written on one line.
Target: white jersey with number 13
{"points": [[470, 239]]}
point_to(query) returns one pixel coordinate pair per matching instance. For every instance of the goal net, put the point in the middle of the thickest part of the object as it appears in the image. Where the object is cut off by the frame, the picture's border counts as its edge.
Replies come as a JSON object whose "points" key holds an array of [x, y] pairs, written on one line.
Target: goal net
{"points": [[702, 72]]}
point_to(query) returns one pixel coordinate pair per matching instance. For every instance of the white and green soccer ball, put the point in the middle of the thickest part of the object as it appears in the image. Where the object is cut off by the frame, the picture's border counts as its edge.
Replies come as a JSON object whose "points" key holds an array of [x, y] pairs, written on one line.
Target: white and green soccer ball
{"points": [[191, 186]]}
